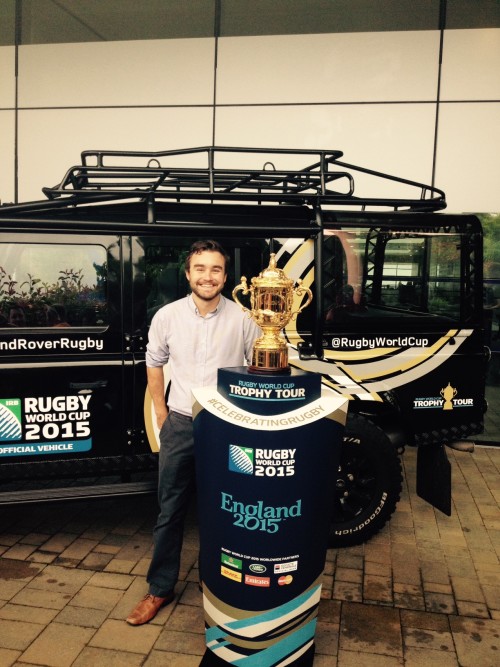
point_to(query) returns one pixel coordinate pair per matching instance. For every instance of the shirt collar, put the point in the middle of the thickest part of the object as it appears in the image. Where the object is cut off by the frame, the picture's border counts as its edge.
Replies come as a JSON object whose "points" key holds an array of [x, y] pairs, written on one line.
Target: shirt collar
{"points": [[194, 309]]}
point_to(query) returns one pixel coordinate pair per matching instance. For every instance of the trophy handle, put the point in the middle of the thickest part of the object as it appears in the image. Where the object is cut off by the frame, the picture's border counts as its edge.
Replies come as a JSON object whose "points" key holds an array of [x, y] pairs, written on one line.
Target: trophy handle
{"points": [[299, 291], [242, 287]]}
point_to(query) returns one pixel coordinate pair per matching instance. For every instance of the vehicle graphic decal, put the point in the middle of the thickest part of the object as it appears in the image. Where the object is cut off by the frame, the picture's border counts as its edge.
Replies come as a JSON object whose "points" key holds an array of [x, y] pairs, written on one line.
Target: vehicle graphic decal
{"points": [[45, 425], [402, 367], [361, 366]]}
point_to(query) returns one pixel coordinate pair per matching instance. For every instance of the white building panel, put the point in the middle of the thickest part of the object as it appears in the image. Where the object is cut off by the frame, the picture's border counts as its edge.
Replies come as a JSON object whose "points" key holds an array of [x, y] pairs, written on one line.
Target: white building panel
{"points": [[145, 73], [341, 67]]}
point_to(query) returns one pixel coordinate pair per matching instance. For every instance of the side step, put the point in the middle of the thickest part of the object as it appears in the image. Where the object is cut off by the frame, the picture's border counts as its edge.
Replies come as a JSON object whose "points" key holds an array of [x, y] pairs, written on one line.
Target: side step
{"points": [[77, 492]]}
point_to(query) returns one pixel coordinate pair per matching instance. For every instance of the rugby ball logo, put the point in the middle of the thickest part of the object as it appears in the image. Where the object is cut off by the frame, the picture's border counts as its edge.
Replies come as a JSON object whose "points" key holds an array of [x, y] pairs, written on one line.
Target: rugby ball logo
{"points": [[241, 459], [10, 421]]}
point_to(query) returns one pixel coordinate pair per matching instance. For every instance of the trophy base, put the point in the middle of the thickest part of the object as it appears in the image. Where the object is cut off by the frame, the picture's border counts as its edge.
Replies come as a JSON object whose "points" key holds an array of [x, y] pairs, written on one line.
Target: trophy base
{"points": [[267, 371], [269, 361]]}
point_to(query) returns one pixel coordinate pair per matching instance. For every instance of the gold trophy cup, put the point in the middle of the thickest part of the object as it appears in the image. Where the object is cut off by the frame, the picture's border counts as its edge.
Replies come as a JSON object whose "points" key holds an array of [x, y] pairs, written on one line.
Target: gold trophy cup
{"points": [[271, 301]]}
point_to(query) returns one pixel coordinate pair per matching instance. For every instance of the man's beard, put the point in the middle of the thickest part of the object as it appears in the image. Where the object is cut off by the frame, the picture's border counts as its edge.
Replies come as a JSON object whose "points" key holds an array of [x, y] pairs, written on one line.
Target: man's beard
{"points": [[203, 295]]}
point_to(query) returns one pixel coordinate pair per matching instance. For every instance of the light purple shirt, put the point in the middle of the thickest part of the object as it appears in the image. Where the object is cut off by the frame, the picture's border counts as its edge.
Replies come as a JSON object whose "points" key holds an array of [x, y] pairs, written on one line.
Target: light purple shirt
{"points": [[197, 346]]}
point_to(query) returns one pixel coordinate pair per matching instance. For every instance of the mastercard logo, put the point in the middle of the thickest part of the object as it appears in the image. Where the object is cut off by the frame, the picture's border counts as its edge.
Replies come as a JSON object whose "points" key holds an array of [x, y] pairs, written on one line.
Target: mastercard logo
{"points": [[284, 581]]}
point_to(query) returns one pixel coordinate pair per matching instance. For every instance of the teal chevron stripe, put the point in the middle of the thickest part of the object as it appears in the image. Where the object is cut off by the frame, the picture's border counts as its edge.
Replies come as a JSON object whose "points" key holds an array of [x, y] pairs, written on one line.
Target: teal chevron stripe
{"points": [[216, 632], [279, 651]]}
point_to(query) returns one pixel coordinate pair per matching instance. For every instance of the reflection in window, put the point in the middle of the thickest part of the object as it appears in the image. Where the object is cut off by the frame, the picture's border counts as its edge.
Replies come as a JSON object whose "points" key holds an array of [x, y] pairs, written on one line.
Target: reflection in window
{"points": [[165, 276], [343, 274], [422, 274], [45, 285], [381, 273]]}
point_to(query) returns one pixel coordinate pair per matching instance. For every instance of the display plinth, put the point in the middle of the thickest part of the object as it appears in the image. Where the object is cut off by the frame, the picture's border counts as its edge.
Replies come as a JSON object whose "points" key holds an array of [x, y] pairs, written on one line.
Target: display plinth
{"points": [[267, 449]]}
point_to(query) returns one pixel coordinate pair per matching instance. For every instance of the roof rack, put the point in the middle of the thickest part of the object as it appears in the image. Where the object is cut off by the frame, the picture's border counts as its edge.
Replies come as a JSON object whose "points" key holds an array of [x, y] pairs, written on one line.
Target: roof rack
{"points": [[222, 174]]}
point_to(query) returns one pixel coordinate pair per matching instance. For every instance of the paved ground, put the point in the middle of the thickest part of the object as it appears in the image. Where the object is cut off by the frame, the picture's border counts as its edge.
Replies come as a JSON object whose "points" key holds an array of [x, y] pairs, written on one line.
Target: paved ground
{"points": [[426, 591], [492, 416]]}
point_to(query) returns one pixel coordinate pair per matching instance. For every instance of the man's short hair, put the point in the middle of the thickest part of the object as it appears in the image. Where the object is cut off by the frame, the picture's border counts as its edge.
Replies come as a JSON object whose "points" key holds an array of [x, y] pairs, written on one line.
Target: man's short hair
{"points": [[210, 246]]}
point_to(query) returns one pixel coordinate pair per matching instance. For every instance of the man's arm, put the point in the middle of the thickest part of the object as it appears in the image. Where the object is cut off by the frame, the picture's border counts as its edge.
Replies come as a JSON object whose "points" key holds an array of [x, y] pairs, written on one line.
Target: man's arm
{"points": [[156, 386]]}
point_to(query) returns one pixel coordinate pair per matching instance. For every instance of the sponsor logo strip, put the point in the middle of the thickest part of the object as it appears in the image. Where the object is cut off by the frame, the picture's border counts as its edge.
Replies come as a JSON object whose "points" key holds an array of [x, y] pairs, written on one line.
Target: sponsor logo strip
{"points": [[230, 574], [252, 580], [230, 561], [279, 568]]}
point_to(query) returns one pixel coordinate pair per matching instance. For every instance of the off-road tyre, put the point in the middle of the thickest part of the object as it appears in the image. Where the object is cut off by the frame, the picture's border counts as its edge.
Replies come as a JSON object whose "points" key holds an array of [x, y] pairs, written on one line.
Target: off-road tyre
{"points": [[368, 485]]}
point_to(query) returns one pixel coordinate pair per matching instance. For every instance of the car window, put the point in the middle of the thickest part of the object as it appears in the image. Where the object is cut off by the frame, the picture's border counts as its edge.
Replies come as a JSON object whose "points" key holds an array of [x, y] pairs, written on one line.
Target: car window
{"points": [[52, 285]]}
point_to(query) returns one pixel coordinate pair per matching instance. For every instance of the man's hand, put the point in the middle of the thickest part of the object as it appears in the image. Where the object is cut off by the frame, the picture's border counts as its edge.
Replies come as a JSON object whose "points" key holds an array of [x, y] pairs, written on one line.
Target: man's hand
{"points": [[156, 386], [161, 417]]}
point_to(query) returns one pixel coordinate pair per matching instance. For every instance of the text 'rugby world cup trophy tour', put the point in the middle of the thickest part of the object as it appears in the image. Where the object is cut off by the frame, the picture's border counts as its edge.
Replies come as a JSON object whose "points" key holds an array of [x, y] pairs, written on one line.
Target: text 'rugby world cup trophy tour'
{"points": [[267, 446]]}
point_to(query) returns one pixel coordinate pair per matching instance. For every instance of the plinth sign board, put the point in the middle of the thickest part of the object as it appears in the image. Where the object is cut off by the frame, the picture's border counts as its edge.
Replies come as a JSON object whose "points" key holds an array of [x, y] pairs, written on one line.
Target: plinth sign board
{"points": [[267, 450]]}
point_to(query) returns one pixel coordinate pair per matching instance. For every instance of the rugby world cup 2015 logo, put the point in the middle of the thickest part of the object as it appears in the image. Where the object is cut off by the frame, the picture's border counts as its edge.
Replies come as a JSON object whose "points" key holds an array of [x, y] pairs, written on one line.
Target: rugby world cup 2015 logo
{"points": [[10, 419], [241, 459]]}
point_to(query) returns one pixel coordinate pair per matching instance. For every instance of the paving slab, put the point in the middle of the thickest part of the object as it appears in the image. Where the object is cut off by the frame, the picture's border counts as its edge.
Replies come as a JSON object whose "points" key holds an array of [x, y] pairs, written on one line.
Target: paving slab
{"points": [[111, 580], [86, 617], [60, 579], [90, 657], [426, 657], [186, 618], [18, 634], [57, 646], [431, 639], [8, 657], [19, 612], [163, 658], [327, 642], [370, 629], [33, 597], [477, 641], [94, 597], [175, 641], [366, 659], [119, 636], [15, 570]]}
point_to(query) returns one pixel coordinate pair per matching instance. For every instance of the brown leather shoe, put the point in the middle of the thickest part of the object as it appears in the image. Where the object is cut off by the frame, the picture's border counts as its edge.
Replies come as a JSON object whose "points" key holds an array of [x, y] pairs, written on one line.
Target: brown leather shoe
{"points": [[147, 608]]}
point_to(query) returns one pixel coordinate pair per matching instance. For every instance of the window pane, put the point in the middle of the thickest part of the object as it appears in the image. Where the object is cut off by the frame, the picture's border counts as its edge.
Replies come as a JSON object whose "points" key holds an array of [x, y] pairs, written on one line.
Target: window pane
{"points": [[343, 274], [288, 17], [444, 276], [7, 23], [44, 285], [403, 272], [383, 274], [165, 276], [48, 22]]}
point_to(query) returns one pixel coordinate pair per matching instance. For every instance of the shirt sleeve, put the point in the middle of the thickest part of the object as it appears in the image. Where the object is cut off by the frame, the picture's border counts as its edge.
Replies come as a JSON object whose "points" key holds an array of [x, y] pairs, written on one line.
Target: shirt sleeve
{"points": [[157, 351]]}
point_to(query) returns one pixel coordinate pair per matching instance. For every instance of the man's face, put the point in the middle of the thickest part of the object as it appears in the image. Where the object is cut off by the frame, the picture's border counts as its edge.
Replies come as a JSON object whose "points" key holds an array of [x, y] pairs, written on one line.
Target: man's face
{"points": [[207, 274]]}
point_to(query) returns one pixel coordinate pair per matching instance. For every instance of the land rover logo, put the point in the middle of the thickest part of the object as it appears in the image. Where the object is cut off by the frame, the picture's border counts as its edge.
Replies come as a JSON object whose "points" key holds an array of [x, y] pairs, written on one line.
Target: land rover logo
{"points": [[257, 568]]}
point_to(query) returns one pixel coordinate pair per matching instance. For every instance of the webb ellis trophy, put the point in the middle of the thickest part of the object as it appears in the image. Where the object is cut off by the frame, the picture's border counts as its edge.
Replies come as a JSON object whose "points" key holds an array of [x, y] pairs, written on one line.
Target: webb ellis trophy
{"points": [[271, 301]]}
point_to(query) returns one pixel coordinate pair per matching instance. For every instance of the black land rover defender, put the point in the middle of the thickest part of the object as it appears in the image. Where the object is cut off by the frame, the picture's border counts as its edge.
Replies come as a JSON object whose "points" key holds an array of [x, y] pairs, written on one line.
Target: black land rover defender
{"points": [[395, 324]]}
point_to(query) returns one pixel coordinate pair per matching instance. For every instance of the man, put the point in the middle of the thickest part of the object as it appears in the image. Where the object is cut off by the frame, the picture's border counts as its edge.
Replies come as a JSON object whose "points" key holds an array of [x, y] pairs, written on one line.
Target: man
{"points": [[196, 335]]}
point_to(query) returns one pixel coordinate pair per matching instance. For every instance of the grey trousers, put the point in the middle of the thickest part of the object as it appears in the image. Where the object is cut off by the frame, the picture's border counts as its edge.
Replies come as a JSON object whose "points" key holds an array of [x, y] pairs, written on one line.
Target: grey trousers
{"points": [[176, 477]]}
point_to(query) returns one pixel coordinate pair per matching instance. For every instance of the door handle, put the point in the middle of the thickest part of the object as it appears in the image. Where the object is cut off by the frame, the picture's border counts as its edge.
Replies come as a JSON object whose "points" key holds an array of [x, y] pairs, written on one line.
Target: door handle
{"points": [[97, 384]]}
